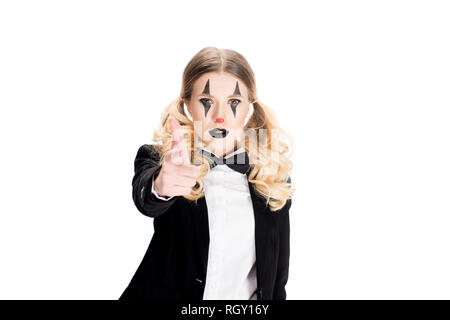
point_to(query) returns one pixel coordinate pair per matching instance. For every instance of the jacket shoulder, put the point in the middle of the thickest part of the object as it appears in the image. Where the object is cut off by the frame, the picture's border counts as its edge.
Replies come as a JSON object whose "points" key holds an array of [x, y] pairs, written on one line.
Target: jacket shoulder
{"points": [[151, 151], [147, 155], [285, 209]]}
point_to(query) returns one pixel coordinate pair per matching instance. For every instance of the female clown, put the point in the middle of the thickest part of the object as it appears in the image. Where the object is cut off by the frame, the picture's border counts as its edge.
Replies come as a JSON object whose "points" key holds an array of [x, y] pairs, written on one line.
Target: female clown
{"points": [[216, 182]]}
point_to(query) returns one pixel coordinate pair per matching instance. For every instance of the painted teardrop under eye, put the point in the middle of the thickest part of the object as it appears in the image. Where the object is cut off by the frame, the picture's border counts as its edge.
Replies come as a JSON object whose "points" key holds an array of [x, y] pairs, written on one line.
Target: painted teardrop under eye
{"points": [[206, 105], [234, 104]]}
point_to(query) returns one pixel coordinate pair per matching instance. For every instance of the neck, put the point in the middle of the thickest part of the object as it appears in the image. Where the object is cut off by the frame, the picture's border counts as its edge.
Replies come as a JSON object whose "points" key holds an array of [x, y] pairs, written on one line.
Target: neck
{"points": [[220, 151]]}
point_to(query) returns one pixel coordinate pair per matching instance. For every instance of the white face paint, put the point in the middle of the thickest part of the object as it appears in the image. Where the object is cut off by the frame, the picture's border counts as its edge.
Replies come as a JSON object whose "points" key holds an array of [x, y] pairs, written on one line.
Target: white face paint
{"points": [[219, 106]]}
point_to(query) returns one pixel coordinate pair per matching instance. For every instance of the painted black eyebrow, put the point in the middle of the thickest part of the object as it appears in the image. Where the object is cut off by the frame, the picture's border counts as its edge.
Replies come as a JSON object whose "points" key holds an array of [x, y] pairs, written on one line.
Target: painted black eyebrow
{"points": [[236, 90], [206, 89]]}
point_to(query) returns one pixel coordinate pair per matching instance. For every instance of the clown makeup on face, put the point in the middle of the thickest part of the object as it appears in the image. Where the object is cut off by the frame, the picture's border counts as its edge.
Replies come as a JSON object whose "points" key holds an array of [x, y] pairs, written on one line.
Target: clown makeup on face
{"points": [[219, 105]]}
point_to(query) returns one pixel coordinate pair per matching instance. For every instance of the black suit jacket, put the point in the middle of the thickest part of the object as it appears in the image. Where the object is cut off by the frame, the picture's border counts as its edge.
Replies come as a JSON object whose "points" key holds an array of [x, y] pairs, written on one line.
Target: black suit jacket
{"points": [[174, 265]]}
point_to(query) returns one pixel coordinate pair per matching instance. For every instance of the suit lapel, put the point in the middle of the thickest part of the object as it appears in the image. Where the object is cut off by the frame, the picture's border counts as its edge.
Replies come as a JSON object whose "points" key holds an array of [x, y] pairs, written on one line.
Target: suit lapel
{"points": [[263, 226], [201, 225]]}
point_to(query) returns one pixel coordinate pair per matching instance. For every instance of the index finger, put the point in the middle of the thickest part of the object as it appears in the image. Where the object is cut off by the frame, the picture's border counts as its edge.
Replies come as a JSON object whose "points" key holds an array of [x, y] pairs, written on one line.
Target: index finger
{"points": [[178, 143]]}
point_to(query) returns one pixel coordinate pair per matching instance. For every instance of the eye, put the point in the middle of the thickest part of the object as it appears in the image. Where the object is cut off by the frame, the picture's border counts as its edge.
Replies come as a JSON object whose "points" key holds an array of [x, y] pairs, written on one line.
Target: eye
{"points": [[205, 101], [235, 102]]}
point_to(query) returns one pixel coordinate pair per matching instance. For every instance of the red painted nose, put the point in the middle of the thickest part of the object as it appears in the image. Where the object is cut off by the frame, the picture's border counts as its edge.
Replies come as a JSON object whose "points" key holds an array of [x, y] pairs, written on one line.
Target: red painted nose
{"points": [[219, 120]]}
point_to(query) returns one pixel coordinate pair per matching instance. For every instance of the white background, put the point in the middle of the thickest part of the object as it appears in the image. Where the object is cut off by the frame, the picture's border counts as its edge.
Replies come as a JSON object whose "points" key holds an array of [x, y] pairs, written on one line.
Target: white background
{"points": [[363, 86]]}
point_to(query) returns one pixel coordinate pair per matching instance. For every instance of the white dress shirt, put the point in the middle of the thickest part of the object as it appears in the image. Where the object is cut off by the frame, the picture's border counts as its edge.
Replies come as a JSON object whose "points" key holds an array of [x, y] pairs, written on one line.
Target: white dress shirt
{"points": [[231, 270]]}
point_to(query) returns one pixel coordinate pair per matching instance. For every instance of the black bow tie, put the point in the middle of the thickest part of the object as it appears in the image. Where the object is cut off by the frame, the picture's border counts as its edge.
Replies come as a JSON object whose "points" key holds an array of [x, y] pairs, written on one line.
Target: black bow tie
{"points": [[238, 162]]}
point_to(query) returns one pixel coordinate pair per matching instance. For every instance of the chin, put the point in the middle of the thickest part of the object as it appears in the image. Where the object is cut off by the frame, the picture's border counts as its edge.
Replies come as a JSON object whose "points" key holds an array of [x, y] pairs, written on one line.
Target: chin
{"points": [[220, 144]]}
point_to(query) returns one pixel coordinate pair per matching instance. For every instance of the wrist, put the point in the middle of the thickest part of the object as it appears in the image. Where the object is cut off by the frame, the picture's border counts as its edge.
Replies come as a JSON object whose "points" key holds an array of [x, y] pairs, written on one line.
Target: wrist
{"points": [[156, 192]]}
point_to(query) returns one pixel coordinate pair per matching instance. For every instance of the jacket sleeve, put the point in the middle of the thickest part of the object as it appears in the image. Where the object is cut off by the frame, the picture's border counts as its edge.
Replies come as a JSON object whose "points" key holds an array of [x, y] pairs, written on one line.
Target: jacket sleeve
{"points": [[282, 274], [147, 166]]}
